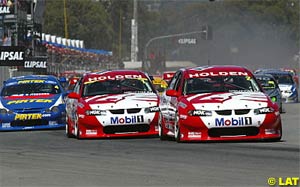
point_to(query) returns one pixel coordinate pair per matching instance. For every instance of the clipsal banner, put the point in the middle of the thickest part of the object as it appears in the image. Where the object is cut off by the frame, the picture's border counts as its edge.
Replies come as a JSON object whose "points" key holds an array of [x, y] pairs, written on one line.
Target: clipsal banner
{"points": [[12, 55], [34, 64]]}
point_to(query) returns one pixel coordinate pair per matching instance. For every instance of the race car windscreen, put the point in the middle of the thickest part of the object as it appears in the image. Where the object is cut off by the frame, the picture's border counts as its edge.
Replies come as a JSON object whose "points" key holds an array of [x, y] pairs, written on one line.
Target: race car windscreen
{"points": [[220, 84], [267, 83], [284, 79], [30, 89], [117, 87]]}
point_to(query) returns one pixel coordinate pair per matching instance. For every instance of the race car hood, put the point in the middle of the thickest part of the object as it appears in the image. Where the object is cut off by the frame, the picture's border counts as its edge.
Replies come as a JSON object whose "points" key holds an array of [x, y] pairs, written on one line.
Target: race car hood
{"points": [[284, 87], [273, 92], [232, 100], [122, 101], [20, 102]]}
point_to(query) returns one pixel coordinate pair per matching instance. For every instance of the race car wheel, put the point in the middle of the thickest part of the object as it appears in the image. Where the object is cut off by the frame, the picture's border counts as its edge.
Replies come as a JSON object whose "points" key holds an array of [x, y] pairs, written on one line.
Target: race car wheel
{"points": [[68, 132], [281, 108], [161, 134], [279, 138], [77, 131], [177, 134]]}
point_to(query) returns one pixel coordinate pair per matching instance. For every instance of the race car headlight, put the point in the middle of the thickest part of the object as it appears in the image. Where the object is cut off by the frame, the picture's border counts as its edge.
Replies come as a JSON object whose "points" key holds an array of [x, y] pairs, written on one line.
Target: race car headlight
{"points": [[200, 113], [3, 111], [95, 112], [152, 109], [264, 110], [55, 109]]}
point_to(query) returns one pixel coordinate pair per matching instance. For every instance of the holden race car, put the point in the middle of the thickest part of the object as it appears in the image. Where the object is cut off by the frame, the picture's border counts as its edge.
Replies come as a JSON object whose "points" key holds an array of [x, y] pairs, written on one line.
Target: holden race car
{"points": [[112, 104], [72, 82], [167, 75], [214, 103], [270, 86], [32, 102]]}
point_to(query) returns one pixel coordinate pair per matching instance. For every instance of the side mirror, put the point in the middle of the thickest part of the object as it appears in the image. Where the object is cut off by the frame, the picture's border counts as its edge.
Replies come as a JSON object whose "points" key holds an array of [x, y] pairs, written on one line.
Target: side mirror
{"points": [[74, 95], [172, 93]]}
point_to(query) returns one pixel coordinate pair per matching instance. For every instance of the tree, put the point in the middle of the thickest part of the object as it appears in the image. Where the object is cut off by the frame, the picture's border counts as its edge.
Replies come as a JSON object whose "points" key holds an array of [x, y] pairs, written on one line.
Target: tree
{"points": [[87, 21]]}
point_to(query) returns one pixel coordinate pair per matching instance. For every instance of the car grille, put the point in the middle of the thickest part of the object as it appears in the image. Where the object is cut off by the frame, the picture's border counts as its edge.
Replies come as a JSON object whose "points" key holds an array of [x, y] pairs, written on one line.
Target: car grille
{"points": [[241, 111], [224, 112], [25, 123], [133, 110], [236, 131], [129, 111], [229, 112], [118, 111], [112, 129], [28, 110]]}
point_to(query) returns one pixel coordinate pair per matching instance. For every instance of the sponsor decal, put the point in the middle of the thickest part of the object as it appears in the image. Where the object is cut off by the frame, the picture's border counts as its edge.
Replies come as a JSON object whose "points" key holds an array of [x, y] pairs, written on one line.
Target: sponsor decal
{"points": [[240, 121], [35, 64], [11, 55], [182, 105], [4, 10], [5, 125], [187, 41], [29, 101], [194, 134], [126, 120], [221, 73], [52, 123], [91, 132], [114, 77], [28, 116], [30, 81]]}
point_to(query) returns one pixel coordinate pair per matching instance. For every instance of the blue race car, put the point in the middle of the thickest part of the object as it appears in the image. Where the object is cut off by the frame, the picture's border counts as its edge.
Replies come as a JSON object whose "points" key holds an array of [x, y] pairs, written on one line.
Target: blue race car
{"points": [[271, 88], [32, 102], [286, 83]]}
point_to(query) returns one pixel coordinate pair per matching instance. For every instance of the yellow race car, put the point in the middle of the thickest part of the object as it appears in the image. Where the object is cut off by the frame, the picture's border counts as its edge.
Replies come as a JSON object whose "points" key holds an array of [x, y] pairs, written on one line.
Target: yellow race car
{"points": [[159, 84]]}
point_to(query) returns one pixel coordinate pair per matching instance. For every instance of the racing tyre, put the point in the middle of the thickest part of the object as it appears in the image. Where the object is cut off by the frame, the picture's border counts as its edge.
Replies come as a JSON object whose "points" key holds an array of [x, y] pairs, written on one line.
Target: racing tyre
{"points": [[177, 134], [161, 134], [77, 131], [68, 132]]}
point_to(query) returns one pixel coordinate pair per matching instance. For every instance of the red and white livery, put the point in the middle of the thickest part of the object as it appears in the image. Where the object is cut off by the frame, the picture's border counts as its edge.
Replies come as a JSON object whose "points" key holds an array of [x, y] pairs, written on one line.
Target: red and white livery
{"points": [[214, 103], [112, 104]]}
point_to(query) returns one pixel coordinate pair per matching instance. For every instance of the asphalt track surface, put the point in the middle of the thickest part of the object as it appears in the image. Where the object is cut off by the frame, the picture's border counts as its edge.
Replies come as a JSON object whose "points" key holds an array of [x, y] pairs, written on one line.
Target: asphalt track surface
{"points": [[49, 158]]}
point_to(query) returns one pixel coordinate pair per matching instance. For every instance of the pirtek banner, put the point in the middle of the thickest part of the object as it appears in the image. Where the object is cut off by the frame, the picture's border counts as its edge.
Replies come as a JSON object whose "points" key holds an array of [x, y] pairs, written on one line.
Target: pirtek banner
{"points": [[35, 64], [12, 55]]}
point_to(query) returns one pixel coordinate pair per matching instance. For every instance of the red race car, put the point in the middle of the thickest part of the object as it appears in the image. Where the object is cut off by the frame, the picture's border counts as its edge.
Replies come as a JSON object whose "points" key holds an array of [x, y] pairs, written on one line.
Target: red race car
{"points": [[214, 103], [167, 75], [112, 104]]}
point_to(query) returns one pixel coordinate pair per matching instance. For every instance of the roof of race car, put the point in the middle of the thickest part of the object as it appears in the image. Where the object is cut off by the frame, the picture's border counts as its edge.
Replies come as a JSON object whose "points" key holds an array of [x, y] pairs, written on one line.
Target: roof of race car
{"points": [[274, 71], [114, 74], [31, 77], [167, 75], [264, 75], [217, 70]]}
